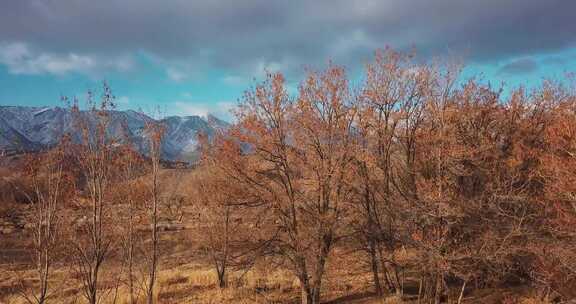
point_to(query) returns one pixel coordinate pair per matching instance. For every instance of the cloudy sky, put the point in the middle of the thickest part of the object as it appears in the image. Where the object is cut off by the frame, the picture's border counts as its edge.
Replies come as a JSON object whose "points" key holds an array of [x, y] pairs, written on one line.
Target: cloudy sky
{"points": [[198, 56]]}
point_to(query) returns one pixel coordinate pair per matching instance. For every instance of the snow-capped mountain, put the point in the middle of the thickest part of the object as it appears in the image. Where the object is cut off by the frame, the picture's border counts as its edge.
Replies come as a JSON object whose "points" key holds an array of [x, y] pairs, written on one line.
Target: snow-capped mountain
{"points": [[33, 128]]}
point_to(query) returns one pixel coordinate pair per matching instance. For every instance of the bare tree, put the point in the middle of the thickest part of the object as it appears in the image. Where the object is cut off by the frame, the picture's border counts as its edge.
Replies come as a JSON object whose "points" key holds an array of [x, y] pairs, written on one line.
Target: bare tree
{"points": [[155, 132], [95, 157], [218, 224], [299, 159], [132, 192], [51, 188], [387, 105]]}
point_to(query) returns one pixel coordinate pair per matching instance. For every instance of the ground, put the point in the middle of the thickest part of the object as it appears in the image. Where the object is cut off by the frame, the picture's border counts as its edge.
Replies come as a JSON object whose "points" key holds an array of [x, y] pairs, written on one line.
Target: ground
{"points": [[186, 276], [183, 281]]}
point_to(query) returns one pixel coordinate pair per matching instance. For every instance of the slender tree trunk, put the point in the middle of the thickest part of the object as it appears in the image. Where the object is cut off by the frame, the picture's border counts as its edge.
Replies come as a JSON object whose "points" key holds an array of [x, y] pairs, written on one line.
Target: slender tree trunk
{"points": [[375, 271], [316, 295], [462, 292], [305, 294], [402, 282], [438, 291], [155, 141], [385, 272], [316, 287], [310, 285], [96, 253], [42, 264], [398, 285], [391, 272], [154, 253], [222, 277], [131, 254], [420, 289], [310, 293]]}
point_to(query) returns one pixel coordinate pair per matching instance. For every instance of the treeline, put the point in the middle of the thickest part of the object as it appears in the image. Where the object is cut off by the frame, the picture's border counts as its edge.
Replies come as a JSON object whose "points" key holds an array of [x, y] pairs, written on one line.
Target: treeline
{"points": [[422, 171], [449, 182]]}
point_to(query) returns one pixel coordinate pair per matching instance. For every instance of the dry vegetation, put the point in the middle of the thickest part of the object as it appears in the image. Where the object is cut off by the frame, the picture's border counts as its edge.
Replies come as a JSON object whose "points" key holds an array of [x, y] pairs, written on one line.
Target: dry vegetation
{"points": [[412, 187]]}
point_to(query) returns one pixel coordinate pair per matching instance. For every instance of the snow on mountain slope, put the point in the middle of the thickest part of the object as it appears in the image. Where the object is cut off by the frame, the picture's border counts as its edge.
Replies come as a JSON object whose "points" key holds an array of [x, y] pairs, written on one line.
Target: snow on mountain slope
{"points": [[31, 128]]}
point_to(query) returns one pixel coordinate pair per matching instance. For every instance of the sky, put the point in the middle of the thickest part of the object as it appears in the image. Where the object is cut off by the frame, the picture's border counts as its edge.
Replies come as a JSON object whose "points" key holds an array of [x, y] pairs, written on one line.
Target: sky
{"points": [[195, 57]]}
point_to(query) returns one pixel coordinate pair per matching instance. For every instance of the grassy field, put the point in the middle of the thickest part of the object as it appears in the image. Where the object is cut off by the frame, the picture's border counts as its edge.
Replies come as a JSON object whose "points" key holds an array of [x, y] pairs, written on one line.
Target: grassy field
{"points": [[186, 276], [182, 281]]}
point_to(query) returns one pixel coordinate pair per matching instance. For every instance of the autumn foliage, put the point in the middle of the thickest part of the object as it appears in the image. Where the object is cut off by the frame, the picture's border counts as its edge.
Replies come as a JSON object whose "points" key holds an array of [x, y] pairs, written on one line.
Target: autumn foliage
{"points": [[476, 185]]}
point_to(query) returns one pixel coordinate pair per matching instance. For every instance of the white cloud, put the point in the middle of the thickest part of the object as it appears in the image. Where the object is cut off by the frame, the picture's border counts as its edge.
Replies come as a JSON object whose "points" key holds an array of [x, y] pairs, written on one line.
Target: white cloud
{"points": [[219, 109], [190, 108], [19, 58], [176, 75]]}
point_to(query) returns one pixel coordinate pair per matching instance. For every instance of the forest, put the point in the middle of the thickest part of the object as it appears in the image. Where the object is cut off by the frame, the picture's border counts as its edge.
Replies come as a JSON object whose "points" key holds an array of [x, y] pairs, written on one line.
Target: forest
{"points": [[409, 184]]}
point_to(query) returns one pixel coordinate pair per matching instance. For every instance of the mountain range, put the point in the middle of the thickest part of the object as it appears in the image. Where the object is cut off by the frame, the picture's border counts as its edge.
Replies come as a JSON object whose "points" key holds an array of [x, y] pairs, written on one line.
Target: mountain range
{"points": [[25, 129]]}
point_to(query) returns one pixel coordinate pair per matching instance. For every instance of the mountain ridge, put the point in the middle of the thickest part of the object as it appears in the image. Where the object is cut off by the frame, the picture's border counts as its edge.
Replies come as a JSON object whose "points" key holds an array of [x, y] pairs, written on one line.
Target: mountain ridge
{"points": [[24, 129]]}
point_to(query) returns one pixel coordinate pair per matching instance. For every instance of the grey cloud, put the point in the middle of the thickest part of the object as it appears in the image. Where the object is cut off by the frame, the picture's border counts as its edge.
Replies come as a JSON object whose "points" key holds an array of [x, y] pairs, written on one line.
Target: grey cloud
{"points": [[243, 35]]}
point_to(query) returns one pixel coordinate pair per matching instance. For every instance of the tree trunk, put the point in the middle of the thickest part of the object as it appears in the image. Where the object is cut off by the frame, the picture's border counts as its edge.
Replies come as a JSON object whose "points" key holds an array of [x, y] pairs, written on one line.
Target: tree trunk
{"points": [[309, 294], [155, 156], [154, 257], [420, 289], [398, 284], [387, 279], [316, 295], [392, 275], [438, 291], [131, 254], [462, 293], [306, 294], [385, 272], [311, 285], [375, 272], [305, 288], [222, 277]]}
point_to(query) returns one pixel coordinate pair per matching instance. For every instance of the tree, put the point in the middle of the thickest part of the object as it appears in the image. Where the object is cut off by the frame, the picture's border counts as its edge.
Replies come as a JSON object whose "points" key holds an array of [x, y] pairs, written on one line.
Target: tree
{"points": [[549, 146], [298, 161], [389, 104], [94, 154], [155, 132], [131, 191], [223, 222], [52, 187]]}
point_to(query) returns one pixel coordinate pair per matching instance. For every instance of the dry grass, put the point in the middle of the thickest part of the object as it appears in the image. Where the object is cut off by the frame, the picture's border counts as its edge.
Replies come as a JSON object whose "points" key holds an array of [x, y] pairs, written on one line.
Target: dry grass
{"points": [[180, 281], [189, 283], [197, 284], [533, 299]]}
